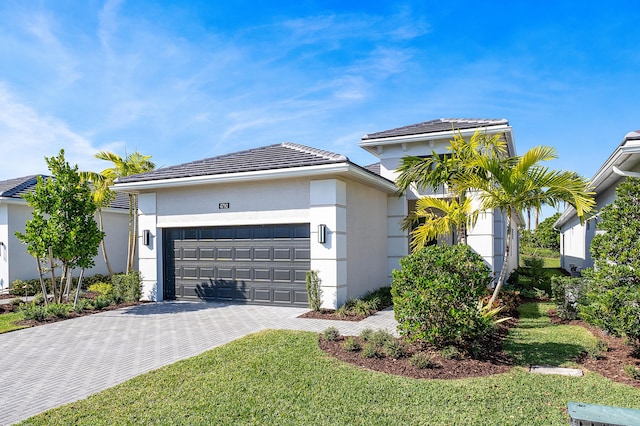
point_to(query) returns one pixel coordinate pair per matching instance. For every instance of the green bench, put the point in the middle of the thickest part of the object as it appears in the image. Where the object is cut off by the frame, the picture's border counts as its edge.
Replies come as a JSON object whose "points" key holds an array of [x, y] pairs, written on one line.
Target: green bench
{"points": [[601, 415]]}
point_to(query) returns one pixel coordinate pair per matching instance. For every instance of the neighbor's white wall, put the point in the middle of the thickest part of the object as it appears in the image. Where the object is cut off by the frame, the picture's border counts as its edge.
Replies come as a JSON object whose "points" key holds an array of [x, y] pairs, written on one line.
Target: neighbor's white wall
{"points": [[4, 258], [366, 239], [328, 206], [22, 266]]}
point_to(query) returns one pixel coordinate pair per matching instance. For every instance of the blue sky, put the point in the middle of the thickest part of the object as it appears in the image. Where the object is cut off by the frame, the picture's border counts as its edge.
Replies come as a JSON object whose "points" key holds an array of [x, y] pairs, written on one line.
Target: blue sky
{"points": [[185, 80]]}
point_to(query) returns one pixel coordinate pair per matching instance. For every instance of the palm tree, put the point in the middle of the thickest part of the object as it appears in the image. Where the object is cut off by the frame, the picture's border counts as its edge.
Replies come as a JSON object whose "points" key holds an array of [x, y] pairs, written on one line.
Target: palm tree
{"points": [[442, 171], [515, 184], [102, 196], [437, 217], [132, 164]]}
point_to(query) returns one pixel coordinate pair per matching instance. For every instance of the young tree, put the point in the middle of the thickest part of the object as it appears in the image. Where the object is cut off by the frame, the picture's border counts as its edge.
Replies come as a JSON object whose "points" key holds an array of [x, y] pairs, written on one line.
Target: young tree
{"points": [[63, 229], [545, 235], [516, 183], [443, 171], [132, 164]]}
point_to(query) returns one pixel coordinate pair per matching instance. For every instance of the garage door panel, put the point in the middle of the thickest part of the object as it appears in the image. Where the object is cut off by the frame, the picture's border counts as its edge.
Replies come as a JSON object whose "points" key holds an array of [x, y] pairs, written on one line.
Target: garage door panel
{"points": [[255, 264]]}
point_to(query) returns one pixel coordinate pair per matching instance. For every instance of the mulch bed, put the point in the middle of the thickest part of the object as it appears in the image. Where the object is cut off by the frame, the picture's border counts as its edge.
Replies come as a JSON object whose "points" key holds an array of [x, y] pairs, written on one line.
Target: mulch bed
{"points": [[6, 308], [330, 314], [612, 362], [494, 361]]}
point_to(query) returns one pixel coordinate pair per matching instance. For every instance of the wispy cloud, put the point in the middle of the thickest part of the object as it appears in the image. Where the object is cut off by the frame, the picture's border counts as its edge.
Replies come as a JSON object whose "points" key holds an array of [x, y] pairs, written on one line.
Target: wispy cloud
{"points": [[26, 137]]}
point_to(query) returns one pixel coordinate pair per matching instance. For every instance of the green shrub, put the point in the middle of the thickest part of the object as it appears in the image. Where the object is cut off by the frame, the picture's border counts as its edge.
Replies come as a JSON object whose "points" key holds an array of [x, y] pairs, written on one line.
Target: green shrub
{"points": [[568, 293], [94, 279], [101, 288], [351, 344], [381, 337], [60, 310], [102, 302], [534, 270], [395, 349], [331, 333], [33, 312], [436, 294], [16, 301], [632, 371], [127, 287], [615, 309], [370, 350], [450, 352], [82, 305], [598, 349], [421, 360], [38, 299], [382, 296], [366, 334], [24, 288], [314, 291]]}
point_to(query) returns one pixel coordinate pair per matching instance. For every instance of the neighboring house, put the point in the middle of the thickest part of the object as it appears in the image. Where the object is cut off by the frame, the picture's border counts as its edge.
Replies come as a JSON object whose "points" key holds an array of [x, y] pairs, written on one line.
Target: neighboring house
{"points": [[16, 263], [576, 237], [247, 226]]}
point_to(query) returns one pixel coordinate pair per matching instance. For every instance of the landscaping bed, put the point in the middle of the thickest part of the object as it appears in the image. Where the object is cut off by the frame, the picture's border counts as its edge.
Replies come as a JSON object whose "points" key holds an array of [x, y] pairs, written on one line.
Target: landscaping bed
{"points": [[609, 362]]}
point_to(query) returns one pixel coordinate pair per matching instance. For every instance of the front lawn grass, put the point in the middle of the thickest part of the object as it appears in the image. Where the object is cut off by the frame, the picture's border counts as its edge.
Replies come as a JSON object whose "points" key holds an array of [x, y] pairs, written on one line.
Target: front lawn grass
{"points": [[8, 320], [282, 377]]}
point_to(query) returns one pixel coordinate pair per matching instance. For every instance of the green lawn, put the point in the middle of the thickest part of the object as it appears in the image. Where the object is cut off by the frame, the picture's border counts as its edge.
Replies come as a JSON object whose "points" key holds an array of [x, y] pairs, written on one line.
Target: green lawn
{"points": [[7, 321], [282, 377]]}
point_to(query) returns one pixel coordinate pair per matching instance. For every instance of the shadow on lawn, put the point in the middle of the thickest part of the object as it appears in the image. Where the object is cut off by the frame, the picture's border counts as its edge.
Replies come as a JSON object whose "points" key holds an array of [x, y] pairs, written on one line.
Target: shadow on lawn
{"points": [[551, 354]]}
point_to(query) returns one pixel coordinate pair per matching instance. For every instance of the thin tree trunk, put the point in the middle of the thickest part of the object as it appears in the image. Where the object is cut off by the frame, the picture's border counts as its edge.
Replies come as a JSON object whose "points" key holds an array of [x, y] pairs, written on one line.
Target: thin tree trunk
{"points": [[43, 286], [537, 216], [103, 245], [75, 300], [69, 276], [54, 284], [503, 272], [528, 218]]}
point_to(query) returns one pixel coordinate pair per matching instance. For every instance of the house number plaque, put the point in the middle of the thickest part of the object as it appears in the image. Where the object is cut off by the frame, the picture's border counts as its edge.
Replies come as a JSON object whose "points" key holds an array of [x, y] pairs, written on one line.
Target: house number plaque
{"points": [[223, 206]]}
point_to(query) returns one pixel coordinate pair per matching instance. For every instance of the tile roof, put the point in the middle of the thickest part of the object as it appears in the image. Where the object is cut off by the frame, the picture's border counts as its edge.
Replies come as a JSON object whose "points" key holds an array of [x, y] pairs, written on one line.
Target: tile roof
{"points": [[17, 187], [279, 156], [439, 125], [373, 168]]}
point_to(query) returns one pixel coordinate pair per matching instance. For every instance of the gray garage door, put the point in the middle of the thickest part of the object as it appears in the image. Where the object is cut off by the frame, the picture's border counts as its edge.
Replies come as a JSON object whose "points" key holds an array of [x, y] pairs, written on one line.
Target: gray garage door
{"points": [[263, 264]]}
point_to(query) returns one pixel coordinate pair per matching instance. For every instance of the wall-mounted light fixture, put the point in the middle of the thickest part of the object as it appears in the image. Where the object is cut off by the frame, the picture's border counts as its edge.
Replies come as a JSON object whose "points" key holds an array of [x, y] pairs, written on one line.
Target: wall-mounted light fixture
{"points": [[146, 237], [322, 233]]}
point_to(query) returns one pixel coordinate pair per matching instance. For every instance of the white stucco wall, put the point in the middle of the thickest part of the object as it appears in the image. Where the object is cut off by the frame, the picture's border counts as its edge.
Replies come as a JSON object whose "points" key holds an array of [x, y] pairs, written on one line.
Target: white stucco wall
{"points": [[16, 263], [366, 239]]}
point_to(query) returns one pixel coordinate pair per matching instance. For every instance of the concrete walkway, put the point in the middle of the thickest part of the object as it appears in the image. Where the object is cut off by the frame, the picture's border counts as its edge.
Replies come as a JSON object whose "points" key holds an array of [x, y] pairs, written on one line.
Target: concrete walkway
{"points": [[51, 365]]}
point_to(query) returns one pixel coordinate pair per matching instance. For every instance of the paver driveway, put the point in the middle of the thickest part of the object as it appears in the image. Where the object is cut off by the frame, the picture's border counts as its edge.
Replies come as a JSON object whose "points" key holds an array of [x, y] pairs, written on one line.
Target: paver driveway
{"points": [[47, 366]]}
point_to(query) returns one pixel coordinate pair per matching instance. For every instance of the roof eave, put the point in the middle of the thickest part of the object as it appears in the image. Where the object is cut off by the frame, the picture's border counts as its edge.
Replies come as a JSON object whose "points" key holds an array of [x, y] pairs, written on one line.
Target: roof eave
{"points": [[306, 171], [372, 144]]}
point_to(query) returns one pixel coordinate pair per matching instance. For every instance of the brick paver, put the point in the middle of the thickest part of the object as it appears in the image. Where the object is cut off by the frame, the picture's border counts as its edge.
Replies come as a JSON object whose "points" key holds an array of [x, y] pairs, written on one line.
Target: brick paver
{"points": [[55, 364]]}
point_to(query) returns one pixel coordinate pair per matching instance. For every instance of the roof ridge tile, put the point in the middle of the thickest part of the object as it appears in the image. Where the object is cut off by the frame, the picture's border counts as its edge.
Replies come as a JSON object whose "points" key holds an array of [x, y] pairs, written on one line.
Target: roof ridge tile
{"points": [[315, 151]]}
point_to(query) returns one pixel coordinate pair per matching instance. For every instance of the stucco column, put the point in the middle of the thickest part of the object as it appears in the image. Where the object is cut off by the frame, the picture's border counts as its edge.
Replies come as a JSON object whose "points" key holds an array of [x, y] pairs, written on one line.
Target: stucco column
{"points": [[328, 206], [4, 244], [149, 256], [397, 238]]}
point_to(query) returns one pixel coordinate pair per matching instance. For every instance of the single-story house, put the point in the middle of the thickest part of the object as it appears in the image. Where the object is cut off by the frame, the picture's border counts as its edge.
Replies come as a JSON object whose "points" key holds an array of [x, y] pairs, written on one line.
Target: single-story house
{"points": [[16, 263], [247, 226], [576, 237]]}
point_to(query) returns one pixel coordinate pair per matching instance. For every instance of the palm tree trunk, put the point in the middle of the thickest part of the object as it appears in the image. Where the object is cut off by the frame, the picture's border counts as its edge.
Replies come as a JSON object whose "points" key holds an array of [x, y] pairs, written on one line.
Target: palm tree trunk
{"points": [[528, 218], [103, 245], [505, 261]]}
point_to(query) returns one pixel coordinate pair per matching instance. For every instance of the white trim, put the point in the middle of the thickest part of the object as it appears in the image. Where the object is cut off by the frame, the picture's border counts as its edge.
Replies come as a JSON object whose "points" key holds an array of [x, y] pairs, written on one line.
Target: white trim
{"points": [[295, 172]]}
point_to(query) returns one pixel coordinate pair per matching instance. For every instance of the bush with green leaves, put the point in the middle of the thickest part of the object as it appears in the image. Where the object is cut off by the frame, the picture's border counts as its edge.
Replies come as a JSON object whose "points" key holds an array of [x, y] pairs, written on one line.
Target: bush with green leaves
{"points": [[314, 290], [127, 287], [59, 310], [436, 294], [16, 301], [38, 299], [101, 288], [351, 344], [395, 349], [370, 350], [24, 288], [612, 300], [422, 360], [534, 271], [632, 371], [568, 293], [33, 312], [331, 333]]}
